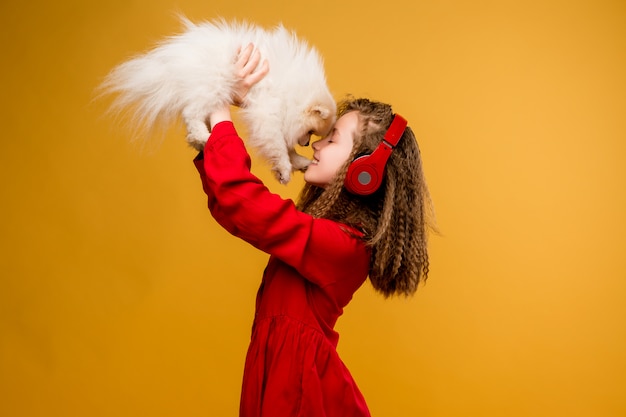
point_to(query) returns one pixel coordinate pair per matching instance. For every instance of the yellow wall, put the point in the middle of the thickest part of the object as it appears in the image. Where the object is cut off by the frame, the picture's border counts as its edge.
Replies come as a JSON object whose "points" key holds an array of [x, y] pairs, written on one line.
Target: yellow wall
{"points": [[119, 296]]}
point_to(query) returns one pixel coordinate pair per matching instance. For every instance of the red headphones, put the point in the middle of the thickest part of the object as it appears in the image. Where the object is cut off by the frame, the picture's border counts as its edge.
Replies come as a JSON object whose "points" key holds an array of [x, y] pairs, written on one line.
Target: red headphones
{"points": [[365, 173]]}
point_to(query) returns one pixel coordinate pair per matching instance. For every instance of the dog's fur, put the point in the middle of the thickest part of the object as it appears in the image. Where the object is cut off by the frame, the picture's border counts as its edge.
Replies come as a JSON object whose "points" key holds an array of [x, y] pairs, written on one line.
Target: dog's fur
{"points": [[192, 74]]}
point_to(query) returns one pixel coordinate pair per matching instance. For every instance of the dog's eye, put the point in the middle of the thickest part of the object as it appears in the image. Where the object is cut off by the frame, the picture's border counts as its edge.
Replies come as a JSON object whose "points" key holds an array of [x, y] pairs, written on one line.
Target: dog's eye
{"points": [[311, 132]]}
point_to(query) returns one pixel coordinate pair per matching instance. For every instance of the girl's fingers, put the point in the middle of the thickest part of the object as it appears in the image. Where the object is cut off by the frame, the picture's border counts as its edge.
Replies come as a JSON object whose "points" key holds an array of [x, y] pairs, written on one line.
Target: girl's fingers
{"points": [[248, 63], [252, 63], [249, 70], [258, 75], [244, 55]]}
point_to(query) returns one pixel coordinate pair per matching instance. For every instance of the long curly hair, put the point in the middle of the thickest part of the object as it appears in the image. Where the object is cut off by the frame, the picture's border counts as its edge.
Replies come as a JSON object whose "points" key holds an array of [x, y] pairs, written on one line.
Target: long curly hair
{"points": [[397, 218]]}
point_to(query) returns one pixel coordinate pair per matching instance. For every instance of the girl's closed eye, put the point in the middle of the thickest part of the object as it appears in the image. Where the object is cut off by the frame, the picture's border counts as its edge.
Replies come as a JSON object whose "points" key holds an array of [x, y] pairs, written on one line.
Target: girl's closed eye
{"points": [[329, 138]]}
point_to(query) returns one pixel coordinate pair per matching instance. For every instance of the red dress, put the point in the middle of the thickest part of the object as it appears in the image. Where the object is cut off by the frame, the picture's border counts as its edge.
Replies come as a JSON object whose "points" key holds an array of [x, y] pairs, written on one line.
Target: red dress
{"points": [[292, 367]]}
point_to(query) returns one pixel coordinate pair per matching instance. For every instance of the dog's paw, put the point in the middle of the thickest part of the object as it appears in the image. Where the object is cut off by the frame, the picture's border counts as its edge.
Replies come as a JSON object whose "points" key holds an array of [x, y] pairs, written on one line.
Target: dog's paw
{"points": [[197, 144], [299, 162], [283, 176], [197, 132]]}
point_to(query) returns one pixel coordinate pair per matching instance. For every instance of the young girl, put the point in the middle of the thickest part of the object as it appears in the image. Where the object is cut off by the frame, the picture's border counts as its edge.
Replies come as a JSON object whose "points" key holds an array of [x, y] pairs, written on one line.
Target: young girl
{"points": [[321, 250]]}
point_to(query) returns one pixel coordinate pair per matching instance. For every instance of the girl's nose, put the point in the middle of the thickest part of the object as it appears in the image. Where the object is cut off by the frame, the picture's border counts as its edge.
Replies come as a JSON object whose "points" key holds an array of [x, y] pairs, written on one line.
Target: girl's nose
{"points": [[319, 144]]}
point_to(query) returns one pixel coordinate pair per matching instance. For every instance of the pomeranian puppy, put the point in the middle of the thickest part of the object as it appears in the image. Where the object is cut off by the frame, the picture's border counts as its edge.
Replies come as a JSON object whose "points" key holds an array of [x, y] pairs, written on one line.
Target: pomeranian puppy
{"points": [[191, 74]]}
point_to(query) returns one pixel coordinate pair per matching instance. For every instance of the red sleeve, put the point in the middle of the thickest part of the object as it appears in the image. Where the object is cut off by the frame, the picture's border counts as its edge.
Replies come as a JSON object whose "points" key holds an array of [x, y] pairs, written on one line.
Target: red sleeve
{"points": [[321, 250]]}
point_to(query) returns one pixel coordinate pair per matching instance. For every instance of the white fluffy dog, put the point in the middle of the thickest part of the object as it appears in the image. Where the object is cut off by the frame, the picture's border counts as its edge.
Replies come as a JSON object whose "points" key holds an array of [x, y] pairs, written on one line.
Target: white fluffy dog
{"points": [[191, 74]]}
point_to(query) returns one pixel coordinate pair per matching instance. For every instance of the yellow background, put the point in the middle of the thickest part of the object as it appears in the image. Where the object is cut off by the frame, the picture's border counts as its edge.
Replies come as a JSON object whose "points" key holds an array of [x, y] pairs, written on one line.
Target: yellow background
{"points": [[119, 295]]}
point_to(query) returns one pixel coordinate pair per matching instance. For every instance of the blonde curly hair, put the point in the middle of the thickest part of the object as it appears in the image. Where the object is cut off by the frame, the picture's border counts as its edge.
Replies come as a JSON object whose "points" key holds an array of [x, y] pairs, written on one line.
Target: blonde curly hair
{"points": [[397, 218]]}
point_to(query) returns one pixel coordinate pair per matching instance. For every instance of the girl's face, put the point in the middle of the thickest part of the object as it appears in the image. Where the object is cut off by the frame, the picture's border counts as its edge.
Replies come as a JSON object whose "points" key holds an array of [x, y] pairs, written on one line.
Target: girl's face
{"points": [[331, 152]]}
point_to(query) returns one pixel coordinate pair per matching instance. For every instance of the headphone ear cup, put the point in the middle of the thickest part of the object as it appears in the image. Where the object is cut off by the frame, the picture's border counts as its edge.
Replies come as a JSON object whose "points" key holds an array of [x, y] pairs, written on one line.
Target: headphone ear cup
{"points": [[364, 175]]}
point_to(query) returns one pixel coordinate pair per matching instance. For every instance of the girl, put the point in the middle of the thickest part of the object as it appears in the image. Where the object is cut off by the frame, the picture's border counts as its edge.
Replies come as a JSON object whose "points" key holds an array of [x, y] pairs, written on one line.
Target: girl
{"points": [[321, 250]]}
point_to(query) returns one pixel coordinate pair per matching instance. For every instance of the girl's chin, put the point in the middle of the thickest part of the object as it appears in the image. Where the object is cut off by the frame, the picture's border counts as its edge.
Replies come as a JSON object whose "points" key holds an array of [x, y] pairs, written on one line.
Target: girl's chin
{"points": [[312, 182]]}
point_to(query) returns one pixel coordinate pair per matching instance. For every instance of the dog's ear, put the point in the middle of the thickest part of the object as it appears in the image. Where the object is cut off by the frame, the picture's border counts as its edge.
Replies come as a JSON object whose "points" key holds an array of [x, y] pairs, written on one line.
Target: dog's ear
{"points": [[320, 111]]}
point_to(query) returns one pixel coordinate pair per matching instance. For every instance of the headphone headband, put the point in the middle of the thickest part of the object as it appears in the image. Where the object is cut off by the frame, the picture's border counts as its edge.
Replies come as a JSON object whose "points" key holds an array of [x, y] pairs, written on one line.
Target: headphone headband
{"points": [[395, 131], [365, 174]]}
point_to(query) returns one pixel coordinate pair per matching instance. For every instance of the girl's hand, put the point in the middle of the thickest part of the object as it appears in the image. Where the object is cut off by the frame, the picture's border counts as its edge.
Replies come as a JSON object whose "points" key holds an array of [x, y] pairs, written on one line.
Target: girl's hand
{"points": [[247, 73]]}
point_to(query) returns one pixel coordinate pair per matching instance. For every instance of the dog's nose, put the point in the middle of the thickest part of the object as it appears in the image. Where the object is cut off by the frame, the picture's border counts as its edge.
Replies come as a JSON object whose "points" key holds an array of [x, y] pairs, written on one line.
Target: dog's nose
{"points": [[305, 139]]}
